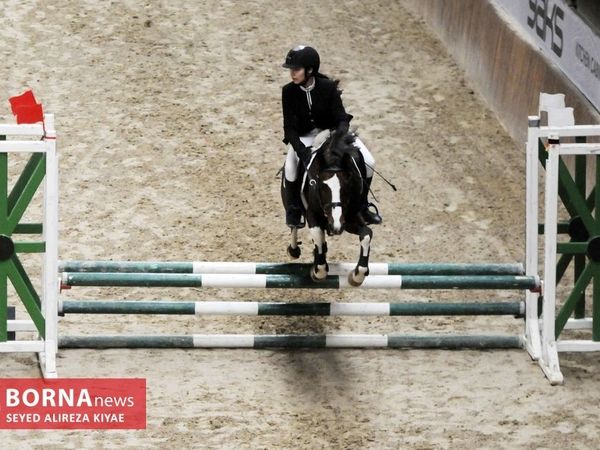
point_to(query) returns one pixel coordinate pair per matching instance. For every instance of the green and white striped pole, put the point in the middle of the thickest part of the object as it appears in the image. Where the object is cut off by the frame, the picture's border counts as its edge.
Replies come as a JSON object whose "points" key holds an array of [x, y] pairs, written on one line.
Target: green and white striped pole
{"points": [[292, 341], [516, 309], [207, 267], [298, 281]]}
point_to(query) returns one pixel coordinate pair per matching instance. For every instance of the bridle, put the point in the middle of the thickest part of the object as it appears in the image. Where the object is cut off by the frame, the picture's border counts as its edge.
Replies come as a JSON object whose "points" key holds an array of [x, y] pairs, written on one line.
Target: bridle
{"points": [[329, 205], [313, 181]]}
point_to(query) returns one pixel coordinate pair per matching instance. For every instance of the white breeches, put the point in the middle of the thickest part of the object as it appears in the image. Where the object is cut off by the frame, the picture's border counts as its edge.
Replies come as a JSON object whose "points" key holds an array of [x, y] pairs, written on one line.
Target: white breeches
{"points": [[291, 161]]}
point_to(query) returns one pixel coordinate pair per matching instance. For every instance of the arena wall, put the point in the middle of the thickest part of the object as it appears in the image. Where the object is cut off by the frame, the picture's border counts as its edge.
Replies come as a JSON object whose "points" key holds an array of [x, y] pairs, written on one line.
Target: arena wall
{"points": [[506, 68]]}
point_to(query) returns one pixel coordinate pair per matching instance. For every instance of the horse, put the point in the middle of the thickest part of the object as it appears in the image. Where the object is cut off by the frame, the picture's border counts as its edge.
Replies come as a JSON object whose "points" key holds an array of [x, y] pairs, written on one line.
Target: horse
{"points": [[331, 191]]}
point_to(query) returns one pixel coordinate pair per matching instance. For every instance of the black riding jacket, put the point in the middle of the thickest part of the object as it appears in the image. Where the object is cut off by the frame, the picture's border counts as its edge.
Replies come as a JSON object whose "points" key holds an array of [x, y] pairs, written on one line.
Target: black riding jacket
{"points": [[325, 110]]}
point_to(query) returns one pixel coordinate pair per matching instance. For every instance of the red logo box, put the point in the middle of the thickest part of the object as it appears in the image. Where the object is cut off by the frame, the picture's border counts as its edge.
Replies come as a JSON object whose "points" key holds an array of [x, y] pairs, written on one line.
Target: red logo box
{"points": [[73, 403]]}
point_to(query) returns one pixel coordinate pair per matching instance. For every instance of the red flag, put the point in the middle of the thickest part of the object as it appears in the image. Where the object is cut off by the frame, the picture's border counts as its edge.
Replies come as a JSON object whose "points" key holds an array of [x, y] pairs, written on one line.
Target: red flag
{"points": [[25, 99], [26, 109], [29, 114]]}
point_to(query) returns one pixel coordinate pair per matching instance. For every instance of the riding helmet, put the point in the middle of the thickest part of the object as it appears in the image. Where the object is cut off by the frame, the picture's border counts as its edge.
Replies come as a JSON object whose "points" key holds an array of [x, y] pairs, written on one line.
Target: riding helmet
{"points": [[304, 57]]}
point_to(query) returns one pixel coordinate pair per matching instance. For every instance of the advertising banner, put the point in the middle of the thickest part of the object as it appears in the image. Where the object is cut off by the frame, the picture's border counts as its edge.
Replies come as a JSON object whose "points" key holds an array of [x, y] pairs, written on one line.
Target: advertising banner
{"points": [[564, 37]]}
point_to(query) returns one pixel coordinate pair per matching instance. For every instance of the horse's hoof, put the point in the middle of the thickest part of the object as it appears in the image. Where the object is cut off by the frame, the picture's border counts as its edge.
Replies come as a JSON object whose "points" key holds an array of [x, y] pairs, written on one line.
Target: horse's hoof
{"points": [[318, 275], [294, 252], [355, 282], [357, 276]]}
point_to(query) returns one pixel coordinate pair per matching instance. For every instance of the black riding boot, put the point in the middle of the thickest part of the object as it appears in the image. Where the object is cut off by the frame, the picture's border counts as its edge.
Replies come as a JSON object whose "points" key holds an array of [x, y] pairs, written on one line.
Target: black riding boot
{"points": [[293, 211], [371, 217]]}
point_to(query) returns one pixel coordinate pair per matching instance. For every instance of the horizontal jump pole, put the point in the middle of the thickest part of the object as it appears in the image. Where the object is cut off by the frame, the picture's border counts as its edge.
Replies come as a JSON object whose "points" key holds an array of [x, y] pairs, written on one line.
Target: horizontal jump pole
{"points": [[298, 281], [292, 341], [291, 309], [287, 268]]}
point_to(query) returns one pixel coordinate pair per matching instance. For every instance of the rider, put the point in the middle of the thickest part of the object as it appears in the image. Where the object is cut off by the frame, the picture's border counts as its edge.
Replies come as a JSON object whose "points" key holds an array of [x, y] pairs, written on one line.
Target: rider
{"points": [[312, 103]]}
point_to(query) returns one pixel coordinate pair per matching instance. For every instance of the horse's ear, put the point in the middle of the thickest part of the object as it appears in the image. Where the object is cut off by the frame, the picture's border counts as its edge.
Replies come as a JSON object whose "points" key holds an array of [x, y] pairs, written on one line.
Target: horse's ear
{"points": [[349, 138]]}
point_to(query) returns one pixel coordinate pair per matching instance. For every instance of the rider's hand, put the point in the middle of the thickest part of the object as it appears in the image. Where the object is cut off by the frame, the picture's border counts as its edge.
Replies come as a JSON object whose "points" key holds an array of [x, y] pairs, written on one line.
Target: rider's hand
{"points": [[304, 154]]}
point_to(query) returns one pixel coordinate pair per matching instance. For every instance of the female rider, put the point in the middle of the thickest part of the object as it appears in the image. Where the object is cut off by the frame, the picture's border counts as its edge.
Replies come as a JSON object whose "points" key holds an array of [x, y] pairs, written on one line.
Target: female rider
{"points": [[312, 103]]}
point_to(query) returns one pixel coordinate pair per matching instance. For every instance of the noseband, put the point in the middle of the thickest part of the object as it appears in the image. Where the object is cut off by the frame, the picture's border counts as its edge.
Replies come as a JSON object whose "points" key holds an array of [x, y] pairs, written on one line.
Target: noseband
{"points": [[314, 184], [331, 205]]}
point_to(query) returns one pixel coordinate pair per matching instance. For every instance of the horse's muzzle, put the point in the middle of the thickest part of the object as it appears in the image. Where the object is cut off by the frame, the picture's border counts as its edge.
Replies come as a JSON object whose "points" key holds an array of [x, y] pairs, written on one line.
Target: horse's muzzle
{"points": [[332, 231]]}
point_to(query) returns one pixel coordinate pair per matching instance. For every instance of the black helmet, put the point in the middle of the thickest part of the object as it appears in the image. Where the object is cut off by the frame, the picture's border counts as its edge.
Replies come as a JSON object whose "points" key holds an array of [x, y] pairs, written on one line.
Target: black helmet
{"points": [[304, 57]]}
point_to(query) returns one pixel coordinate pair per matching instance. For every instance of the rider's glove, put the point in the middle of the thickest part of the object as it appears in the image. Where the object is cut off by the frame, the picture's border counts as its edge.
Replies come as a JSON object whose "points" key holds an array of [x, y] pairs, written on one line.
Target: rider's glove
{"points": [[304, 154]]}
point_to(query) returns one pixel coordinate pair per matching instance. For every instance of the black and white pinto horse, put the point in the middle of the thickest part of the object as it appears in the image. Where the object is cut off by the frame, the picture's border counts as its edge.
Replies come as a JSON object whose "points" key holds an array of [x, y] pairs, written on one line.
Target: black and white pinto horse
{"points": [[331, 194]]}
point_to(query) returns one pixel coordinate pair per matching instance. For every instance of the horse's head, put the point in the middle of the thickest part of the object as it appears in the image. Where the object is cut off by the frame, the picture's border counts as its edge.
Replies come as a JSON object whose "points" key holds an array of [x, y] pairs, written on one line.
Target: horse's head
{"points": [[340, 182], [333, 201]]}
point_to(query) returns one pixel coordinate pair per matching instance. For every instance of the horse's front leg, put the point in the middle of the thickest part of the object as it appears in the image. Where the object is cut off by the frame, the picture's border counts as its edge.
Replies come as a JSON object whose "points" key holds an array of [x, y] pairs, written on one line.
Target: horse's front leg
{"points": [[320, 266], [357, 276]]}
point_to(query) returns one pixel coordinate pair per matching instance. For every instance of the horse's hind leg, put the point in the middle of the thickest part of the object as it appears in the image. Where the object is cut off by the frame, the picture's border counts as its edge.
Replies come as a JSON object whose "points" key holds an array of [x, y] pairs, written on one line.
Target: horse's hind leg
{"points": [[294, 249], [320, 266], [357, 276]]}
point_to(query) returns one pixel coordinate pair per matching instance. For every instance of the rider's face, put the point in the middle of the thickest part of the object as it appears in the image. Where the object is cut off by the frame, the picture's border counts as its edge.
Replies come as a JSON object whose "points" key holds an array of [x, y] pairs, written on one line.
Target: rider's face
{"points": [[297, 75]]}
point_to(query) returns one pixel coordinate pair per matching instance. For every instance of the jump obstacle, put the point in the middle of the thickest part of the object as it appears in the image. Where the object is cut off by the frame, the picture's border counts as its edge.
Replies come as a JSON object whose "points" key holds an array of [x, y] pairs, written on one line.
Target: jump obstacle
{"points": [[218, 274], [541, 331], [296, 276], [291, 281], [204, 308], [293, 275], [552, 146], [38, 141]]}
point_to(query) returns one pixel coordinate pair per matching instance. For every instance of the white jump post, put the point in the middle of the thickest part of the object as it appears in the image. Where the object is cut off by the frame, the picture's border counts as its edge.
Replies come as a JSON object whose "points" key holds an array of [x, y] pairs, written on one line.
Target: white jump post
{"points": [[542, 335], [34, 139], [554, 107]]}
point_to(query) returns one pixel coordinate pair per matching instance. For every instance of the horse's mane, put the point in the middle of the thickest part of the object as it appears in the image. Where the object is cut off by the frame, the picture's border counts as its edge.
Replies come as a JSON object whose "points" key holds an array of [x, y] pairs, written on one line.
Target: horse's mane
{"points": [[339, 145]]}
